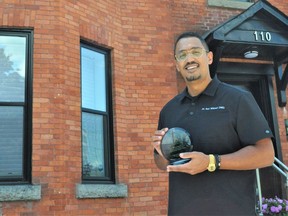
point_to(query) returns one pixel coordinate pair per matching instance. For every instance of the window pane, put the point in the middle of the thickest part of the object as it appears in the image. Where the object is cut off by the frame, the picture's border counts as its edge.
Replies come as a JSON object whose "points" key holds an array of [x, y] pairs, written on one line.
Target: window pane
{"points": [[92, 145], [11, 141], [12, 68], [93, 80]]}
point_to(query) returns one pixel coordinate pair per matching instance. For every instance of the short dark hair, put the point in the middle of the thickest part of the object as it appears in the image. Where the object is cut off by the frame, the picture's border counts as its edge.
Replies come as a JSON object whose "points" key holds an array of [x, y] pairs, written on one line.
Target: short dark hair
{"points": [[191, 34]]}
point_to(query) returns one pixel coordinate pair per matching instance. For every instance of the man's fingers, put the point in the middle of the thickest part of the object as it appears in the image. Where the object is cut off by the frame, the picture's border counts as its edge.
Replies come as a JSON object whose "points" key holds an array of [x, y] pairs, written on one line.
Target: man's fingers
{"points": [[158, 135], [176, 168], [161, 132], [186, 155], [156, 138]]}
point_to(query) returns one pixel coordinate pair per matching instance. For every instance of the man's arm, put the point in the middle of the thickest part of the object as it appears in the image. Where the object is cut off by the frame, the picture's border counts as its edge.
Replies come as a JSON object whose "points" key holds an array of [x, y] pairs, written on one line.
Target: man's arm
{"points": [[250, 157]]}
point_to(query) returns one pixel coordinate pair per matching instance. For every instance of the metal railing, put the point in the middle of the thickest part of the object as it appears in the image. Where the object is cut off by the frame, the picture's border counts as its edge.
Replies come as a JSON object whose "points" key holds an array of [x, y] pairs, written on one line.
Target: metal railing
{"points": [[280, 168], [283, 171]]}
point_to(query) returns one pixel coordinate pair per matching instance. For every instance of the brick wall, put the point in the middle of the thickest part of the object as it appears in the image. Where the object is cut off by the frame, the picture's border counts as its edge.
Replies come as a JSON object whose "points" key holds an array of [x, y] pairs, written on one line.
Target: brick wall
{"points": [[141, 34]]}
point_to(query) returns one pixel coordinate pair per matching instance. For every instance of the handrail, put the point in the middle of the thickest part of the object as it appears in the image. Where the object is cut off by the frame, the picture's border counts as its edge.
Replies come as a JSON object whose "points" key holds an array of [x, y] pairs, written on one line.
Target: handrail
{"points": [[279, 170], [259, 192]]}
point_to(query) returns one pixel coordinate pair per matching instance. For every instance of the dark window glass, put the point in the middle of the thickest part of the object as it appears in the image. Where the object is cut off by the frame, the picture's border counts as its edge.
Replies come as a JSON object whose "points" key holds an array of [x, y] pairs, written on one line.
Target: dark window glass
{"points": [[11, 141], [97, 134], [15, 106]]}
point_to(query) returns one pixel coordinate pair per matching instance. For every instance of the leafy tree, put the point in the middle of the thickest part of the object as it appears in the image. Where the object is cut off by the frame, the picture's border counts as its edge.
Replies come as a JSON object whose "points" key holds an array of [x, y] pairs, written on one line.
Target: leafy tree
{"points": [[5, 63], [11, 83]]}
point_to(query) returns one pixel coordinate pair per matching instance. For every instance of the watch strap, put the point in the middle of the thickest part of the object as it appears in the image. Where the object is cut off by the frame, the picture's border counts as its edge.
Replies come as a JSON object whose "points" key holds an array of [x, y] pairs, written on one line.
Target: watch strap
{"points": [[218, 161]]}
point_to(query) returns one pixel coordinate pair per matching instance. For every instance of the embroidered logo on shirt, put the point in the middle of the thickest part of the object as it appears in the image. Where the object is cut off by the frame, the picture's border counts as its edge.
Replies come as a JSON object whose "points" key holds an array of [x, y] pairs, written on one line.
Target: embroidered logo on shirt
{"points": [[213, 108]]}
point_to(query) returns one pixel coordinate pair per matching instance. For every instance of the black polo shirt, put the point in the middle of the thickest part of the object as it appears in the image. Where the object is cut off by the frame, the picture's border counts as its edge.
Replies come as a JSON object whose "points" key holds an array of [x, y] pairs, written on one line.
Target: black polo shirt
{"points": [[221, 120]]}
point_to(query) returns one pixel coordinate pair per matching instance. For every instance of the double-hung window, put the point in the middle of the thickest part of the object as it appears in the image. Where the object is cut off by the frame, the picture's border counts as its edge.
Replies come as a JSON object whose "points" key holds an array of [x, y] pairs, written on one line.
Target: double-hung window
{"points": [[96, 106], [15, 105]]}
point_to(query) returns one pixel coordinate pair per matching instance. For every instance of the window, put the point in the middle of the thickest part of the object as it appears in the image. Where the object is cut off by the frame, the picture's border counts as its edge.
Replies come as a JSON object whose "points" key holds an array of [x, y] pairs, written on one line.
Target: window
{"points": [[97, 127], [15, 105]]}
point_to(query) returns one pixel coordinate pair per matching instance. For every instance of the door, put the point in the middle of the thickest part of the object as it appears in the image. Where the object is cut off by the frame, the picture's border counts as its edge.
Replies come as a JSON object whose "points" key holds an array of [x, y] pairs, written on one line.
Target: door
{"points": [[259, 83]]}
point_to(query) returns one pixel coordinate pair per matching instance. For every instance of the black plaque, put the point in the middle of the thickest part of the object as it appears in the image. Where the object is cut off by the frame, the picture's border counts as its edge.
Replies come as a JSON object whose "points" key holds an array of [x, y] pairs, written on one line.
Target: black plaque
{"points": [[175, 141]]}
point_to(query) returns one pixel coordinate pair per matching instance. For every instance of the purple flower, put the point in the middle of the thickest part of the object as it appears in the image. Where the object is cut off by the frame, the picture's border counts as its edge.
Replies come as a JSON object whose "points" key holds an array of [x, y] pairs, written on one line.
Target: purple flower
{"points": [[279, 200], [264, 206], [274, 209], [274, 206]]}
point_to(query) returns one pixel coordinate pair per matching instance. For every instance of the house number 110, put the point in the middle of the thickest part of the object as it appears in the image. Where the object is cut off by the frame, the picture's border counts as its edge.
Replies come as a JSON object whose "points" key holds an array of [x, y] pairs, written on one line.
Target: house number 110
{"points": [[263, 36]]}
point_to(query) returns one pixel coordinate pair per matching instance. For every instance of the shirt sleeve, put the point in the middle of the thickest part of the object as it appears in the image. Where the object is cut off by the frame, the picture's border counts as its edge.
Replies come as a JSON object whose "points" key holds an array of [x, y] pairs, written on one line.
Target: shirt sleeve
{"points": [[252, 125], [160, 125]]}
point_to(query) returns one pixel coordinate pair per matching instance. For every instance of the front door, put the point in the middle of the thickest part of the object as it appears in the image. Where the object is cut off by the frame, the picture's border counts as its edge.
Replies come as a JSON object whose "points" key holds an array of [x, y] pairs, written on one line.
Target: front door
{"points": [[248, 76]]}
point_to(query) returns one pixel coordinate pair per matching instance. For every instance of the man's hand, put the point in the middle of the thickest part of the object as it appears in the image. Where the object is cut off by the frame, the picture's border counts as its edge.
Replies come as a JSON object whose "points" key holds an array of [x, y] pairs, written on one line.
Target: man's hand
{"points": [[160, 161], [156, 139], [198, 164]]}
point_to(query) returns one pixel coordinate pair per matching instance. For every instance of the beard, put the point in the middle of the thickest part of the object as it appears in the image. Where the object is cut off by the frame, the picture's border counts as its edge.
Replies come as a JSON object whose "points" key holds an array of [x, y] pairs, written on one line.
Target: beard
{"points": [[193, 78]]}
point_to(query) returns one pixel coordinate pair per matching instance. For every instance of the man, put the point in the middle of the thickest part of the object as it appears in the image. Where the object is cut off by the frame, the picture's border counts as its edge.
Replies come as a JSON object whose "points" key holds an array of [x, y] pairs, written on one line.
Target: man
{"points": [[230, 137]]}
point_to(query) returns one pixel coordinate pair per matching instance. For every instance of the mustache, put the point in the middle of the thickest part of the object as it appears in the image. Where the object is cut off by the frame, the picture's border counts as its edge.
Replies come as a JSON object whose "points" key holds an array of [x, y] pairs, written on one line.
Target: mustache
{"points": [[190, 63]]}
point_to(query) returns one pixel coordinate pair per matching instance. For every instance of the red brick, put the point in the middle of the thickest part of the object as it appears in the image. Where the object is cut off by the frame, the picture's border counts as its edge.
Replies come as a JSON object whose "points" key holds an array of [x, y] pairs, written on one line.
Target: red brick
{"points": [[141, 34]]}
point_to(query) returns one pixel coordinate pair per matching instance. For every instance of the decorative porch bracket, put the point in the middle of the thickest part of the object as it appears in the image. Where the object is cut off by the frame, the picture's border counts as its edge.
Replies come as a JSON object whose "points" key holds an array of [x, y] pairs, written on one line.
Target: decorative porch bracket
{"points": [[281, 83]]}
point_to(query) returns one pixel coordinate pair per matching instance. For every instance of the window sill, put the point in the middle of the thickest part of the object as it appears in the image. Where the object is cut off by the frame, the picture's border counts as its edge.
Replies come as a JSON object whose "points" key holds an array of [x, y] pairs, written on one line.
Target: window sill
{"points": [[229, 4], [84, 191], [20, 192]]}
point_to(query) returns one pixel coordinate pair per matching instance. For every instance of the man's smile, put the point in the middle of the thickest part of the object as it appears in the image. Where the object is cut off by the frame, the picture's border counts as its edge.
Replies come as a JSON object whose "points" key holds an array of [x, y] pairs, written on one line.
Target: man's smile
{"points": [[191, 67]]}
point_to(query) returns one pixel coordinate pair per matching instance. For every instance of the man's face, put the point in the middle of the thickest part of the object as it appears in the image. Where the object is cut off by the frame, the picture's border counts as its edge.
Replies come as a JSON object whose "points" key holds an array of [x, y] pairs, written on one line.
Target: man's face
{"points": [[192, 60]]}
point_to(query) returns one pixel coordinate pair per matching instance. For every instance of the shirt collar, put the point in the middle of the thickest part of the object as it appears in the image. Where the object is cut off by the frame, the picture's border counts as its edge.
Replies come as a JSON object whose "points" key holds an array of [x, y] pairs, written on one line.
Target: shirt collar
{"points": [[210, 89]]}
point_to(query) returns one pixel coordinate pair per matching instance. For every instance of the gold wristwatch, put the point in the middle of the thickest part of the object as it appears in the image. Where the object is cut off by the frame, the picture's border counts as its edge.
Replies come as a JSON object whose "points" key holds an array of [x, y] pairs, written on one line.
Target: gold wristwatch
{"points": [[212, 163]]}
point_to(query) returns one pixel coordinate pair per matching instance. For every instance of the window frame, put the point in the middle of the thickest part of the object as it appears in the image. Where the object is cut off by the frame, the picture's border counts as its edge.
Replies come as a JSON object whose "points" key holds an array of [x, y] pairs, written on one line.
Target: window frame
{"points": [[108, 134], [27, 105]]}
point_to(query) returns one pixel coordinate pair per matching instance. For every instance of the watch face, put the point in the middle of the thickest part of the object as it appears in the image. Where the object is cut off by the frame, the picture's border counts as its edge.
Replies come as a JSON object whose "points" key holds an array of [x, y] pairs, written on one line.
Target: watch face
{"points": [[212, 165], [211, 168], [175, 141]]}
